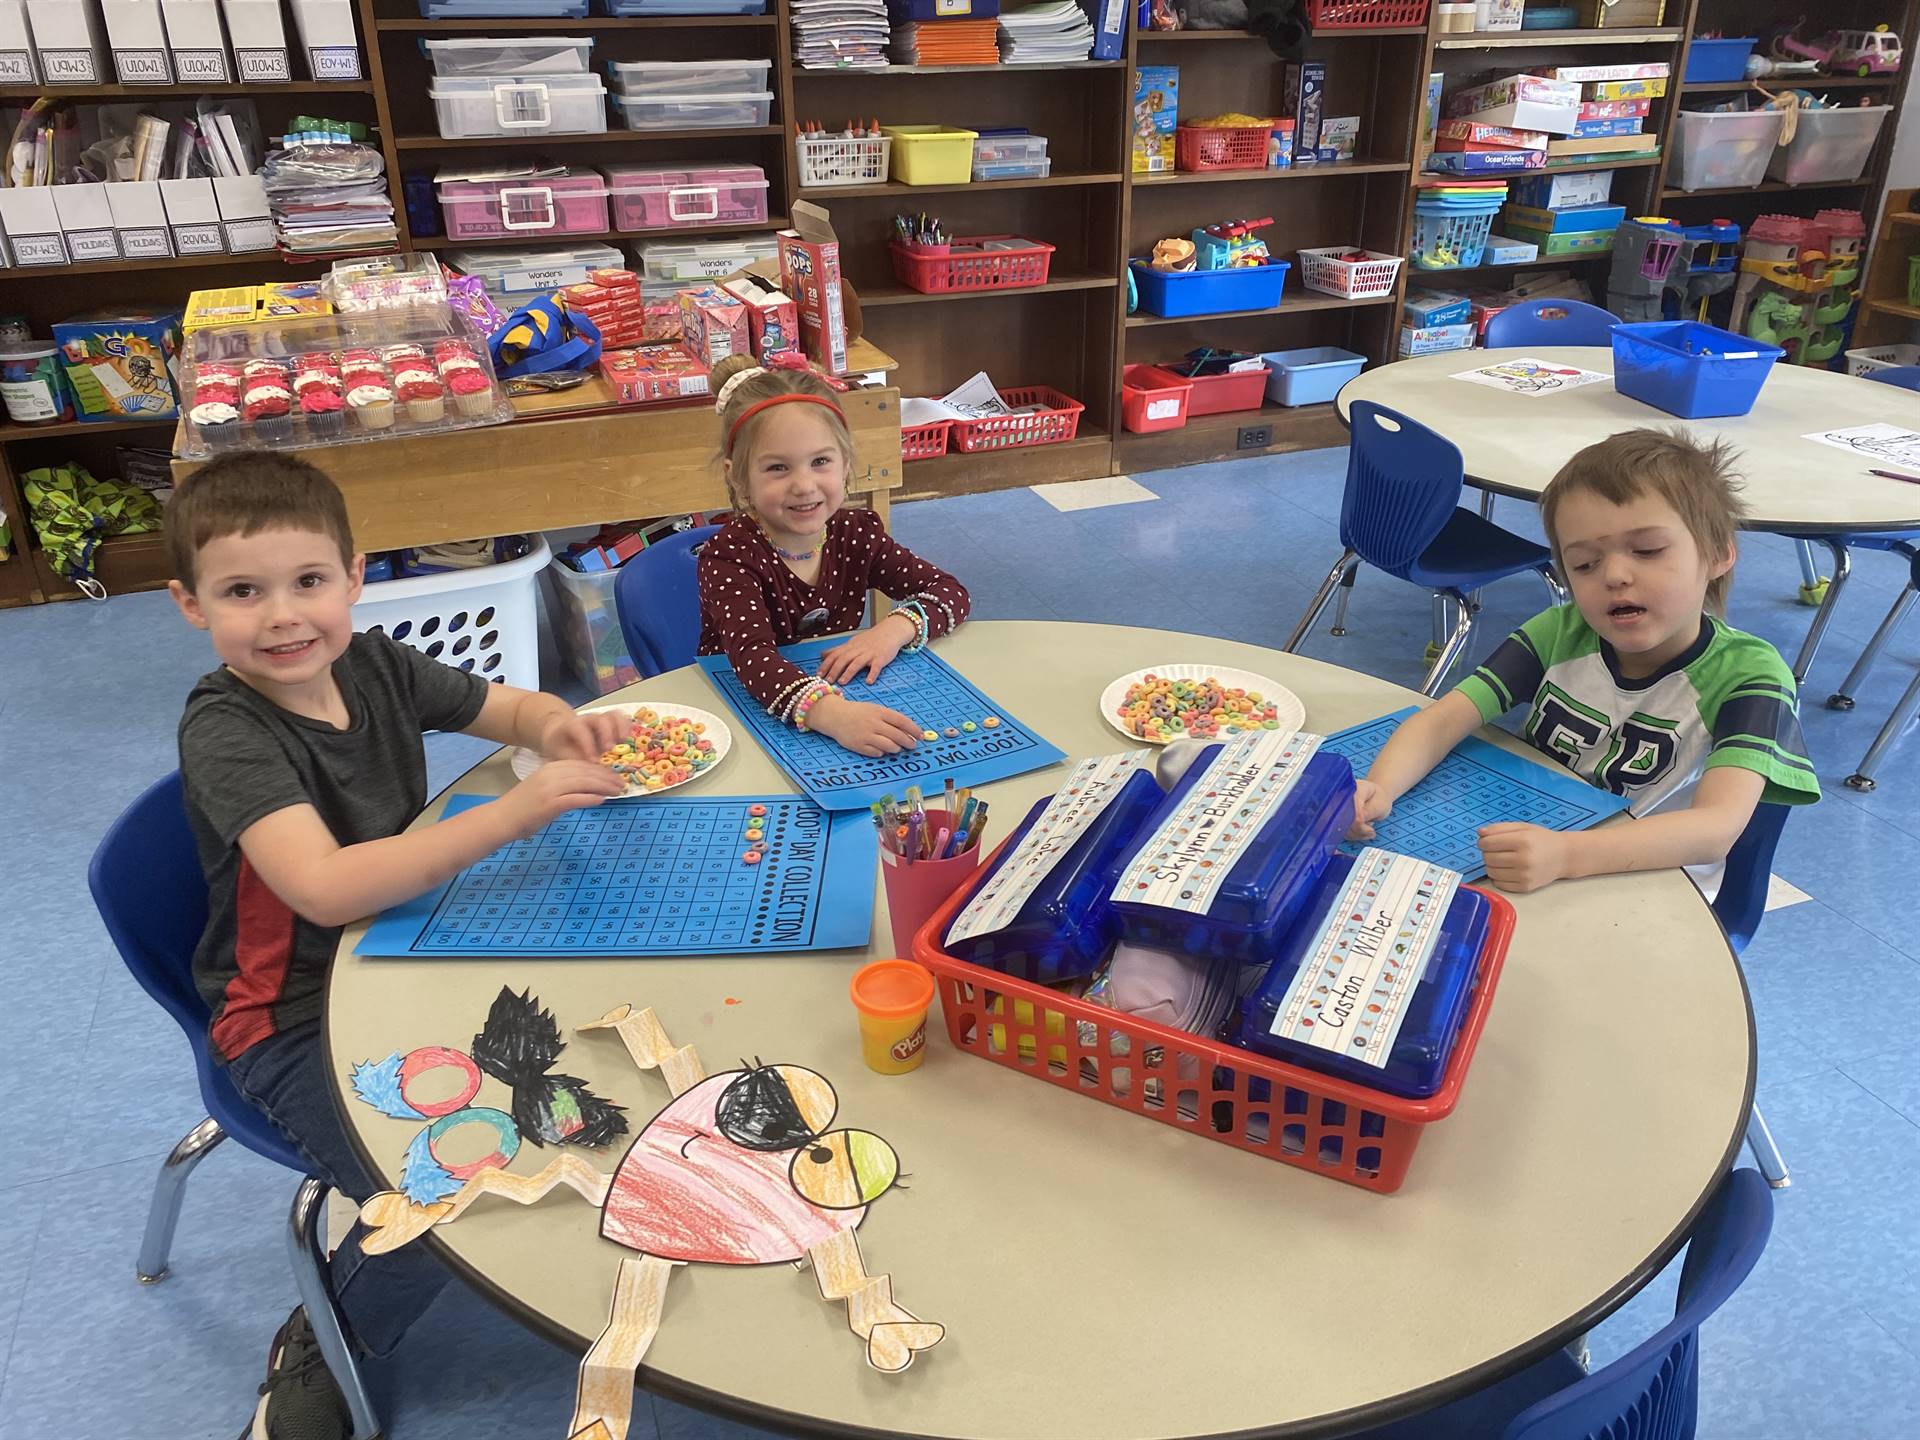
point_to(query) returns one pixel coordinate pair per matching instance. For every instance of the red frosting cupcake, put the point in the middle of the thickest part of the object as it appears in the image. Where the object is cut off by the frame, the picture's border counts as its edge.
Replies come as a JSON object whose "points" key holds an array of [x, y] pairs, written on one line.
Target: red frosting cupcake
{"points": [[266, 400], [416, 384], [317, 391], [215, 413], [464, 376]]}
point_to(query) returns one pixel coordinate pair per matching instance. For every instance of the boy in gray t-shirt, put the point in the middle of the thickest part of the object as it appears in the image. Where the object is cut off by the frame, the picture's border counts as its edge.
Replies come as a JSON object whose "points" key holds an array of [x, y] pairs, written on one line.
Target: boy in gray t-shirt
{"points": [[303, 765]]}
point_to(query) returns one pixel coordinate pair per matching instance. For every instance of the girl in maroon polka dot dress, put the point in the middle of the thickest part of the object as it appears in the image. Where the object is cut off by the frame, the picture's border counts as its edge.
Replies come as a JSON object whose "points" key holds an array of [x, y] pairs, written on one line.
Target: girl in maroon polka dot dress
{"points": [[793, 563]]}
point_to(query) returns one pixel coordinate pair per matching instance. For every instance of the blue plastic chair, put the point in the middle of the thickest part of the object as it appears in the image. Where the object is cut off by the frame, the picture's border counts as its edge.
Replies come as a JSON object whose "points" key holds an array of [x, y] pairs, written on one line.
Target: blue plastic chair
{"points": [[147, 884], [1650, 1393], [1739, 906], [1902, 713], [1551, 322], [657, 595], [1401, 514], [1907, 377]]}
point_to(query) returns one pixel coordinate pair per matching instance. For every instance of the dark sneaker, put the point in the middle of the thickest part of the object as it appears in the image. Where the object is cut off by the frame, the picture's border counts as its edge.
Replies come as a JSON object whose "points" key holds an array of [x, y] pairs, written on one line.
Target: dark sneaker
{"points": [[299, 1400]]}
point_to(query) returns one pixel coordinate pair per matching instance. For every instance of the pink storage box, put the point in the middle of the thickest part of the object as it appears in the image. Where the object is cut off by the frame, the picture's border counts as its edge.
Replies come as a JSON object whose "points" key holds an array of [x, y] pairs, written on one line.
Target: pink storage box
{"points": [[658, 199], [571, 204]]}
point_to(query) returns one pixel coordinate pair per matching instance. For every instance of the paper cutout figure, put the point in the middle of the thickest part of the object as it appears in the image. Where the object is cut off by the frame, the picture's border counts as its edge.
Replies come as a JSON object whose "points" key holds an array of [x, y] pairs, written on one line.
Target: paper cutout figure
{"points": [[519, 1045], [739, 1168]]}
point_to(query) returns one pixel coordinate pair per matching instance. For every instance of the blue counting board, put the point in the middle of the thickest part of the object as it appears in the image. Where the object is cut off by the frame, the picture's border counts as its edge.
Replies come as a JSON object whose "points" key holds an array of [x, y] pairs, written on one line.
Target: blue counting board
{"points": [[663, 877], [919, 685], [1478, 784]]}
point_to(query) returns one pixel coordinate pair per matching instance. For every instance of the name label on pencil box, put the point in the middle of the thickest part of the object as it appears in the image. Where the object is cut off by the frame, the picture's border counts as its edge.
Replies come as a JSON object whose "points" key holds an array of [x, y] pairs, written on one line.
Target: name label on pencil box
{"points": [[269, 64], [1183, 864], [198, 239], [149, 243], [1089, 790], [205, 67], [45, 249], [334, 62], [142, 67], [74, 67], [93, 244], [1350, 995], [16, 67]]}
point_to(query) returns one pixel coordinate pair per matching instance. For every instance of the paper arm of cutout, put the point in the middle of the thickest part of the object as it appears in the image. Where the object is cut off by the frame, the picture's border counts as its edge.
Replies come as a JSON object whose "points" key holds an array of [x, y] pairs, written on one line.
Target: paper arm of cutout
{"points": [[893, 1335], [391, 1220], [603, 1405], [646, 1041]]}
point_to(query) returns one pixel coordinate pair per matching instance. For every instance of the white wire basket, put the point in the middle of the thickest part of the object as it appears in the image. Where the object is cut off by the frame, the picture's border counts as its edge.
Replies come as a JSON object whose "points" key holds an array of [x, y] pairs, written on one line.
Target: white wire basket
{"points": [[1325, 271], [1881, 357], [831, 160], [483, 620]]}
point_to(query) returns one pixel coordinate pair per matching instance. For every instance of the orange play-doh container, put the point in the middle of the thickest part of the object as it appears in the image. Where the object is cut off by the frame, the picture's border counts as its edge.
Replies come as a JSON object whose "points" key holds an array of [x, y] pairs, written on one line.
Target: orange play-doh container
{"points": [[892, 997]]}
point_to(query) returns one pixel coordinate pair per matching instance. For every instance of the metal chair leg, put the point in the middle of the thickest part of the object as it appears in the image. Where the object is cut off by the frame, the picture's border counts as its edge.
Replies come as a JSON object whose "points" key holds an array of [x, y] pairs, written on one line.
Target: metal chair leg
{"points": [[169, 1189], [306, 1248], [1842, 567], [1766, 1154], [1551, 580], [1486, 504], [1346, 593], [1809, 567], [1324, 594], [1902, 716], [1452, 650], [1842, 699]]}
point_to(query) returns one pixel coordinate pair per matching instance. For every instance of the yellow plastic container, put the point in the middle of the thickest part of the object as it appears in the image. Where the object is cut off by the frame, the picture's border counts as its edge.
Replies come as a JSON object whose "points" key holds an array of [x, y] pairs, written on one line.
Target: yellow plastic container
{"points": [[891, 998], [931, 154]]}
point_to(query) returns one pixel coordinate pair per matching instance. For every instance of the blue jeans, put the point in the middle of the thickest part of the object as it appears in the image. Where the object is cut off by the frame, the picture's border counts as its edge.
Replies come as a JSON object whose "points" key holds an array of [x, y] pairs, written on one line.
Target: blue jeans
{"points": [[285, 1078]]}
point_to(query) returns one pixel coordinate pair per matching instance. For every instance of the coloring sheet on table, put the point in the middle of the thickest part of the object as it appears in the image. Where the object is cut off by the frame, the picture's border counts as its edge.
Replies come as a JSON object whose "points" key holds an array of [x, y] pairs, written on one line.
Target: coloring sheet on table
{"points": [[1888, 444], [1527, 376]]}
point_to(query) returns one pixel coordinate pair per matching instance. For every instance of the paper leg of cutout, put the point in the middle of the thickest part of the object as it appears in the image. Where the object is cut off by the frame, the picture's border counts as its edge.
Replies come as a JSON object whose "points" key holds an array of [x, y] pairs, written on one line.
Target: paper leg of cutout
{"points": [[893, 1335], [604, 1403], [646, 1041], [392, 1221]]}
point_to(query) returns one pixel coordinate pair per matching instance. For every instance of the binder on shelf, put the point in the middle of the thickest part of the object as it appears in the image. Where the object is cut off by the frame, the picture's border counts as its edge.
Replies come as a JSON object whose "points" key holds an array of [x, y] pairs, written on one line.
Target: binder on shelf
{"points": [[1109, 27]]}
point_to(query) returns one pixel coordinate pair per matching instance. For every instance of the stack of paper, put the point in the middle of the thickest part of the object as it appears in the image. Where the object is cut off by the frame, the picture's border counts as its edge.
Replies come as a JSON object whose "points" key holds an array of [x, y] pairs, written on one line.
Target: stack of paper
{"points": [[1053, 32], [838, 34], [946, 42], [330, 198]]}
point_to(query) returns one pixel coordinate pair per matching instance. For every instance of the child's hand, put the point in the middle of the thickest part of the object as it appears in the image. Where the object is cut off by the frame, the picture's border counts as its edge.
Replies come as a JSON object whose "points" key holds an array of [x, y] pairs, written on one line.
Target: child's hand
{"points": [[557, 787], [1370, 803], [864, 728], [872, 650], [1522, 857], [582, 737]]}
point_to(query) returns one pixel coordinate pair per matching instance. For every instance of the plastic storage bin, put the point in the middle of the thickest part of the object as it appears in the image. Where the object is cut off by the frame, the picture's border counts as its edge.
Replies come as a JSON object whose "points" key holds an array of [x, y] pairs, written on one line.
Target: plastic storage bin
{"points": [[1325, 271], [645, 79], [834, 160], [1011, 157], [1221, 394], [515, 277], [650, 198], [482, 621], [1828, 146], [704, 259], [1014, 263], [1311, 376], [1050, 419], [925, 442], [574, 204], [1365, 14], [738, 111], [1152, 399], [1209, 292], [1449, 239], [1881, 357], [1220, 147], [1724, 150], [931, 154], [586, 627], [1711, 61], [475, 107], [1691, 370], [510, 55]]}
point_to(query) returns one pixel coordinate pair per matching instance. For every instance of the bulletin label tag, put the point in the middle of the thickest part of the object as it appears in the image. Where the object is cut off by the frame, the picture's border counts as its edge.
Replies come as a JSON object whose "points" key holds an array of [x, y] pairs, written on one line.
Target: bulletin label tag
{"points": [[1082, 800], [1183, 864], [1350, 995]]}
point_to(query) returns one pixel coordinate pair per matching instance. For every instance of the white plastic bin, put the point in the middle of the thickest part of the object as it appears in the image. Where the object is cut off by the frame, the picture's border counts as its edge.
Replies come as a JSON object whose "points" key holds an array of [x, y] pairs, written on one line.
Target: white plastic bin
{"points": [[476, 107], [1828, 146], [483, 621], [510, 55], [515, 277], [696, 112], [647, 79], [1724, 151], [586, 627], [1881, 357], [694, 261]]}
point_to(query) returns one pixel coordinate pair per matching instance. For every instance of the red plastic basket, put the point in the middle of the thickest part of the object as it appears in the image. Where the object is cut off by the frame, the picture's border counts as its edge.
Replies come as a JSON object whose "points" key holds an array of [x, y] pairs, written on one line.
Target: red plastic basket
{"points": [[932, 269], [1152, 400], [924, 442], [1223, 394], [1287, 1113], [1220, 148], [1365, 14], [1058, 421]]}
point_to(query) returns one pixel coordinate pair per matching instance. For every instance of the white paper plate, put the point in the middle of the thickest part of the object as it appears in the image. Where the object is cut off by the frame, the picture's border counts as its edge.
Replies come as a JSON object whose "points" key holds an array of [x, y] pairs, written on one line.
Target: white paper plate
{"points": [[526, 761], [1289, 711]]}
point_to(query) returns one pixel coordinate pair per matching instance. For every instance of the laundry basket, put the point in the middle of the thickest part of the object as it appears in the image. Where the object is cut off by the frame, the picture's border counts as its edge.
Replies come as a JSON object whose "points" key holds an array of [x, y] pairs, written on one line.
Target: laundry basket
{"points": [[483, 620]]}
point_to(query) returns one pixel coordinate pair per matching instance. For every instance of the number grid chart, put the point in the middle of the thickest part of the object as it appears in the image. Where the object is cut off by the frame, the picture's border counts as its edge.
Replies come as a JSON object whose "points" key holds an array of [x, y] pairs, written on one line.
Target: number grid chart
{"points": [[666, 876], [974, 741], [1478, 784]]}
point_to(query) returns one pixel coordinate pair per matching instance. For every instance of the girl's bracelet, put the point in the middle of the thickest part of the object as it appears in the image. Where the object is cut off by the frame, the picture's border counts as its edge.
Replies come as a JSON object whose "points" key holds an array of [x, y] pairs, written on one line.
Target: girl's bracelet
{"points": [[916, 612], [810, 697]]}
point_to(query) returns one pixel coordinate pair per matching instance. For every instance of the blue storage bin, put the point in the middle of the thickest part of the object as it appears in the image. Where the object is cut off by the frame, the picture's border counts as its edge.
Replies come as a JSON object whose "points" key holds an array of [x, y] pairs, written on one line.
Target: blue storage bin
{"points": [[1449, 239], [1432, 1011], [1210, 292], [1269, 878], [1310, 376], [1066, 926], [1691, 370], [1711, 60]]}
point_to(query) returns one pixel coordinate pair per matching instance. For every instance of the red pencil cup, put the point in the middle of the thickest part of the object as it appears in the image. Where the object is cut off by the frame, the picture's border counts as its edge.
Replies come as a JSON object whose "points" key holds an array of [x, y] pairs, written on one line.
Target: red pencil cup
{"points": [[915, 891]]}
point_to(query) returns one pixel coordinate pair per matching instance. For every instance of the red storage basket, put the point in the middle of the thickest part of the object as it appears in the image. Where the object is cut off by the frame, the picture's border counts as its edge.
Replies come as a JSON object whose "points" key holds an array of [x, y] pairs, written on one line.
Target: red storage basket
{"points": [[933, 269], [1146, 392], [1365, 14], [924, 442], [1220, 148], [1059, 421], [1222, 394], [1313, 1121]]}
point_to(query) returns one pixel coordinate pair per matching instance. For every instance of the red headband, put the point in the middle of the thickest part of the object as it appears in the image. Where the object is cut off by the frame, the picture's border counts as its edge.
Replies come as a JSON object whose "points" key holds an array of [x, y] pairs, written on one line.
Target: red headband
{"points": [[759, 405]]}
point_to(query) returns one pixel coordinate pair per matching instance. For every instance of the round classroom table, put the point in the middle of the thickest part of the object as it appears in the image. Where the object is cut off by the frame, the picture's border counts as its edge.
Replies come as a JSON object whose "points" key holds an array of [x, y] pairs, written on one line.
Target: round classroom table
{"points": [[1099, 1275]]}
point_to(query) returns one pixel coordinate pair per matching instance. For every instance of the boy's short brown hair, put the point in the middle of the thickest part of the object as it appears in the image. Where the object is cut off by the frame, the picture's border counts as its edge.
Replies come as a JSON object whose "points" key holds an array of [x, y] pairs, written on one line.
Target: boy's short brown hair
{"points": [[1697, 480], [245, 494]]}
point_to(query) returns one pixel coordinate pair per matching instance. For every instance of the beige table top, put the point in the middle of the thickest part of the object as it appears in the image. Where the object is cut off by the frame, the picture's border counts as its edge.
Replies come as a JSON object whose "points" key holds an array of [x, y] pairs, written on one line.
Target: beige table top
{"points": [[1513, 444], [1101, 1276]]}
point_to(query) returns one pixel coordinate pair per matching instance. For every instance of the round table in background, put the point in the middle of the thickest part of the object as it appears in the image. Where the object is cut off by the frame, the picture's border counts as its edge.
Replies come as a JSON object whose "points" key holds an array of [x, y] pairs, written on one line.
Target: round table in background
{"points": [[1100, 1276]]}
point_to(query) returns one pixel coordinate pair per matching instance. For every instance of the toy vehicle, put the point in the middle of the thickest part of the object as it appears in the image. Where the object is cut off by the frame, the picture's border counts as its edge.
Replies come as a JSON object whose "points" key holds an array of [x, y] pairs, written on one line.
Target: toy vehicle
{"points": [[1865, 53]]}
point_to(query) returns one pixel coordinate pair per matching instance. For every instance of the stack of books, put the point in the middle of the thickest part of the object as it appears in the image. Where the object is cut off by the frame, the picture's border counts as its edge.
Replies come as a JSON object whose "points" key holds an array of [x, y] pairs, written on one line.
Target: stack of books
{"points": [[1054, 32], [946, 42], [839, 34]]}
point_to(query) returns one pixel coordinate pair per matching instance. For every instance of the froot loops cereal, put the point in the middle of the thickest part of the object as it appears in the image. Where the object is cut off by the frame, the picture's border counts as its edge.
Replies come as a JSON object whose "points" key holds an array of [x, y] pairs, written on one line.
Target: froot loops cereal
{"points": [[1155, 708], [660, 750]]}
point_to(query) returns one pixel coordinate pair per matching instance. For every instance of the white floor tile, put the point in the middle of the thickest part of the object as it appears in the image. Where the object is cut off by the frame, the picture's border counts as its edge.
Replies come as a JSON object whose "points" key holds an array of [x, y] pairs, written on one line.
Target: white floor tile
{"points": [[1781, 893], [1092, 494]]}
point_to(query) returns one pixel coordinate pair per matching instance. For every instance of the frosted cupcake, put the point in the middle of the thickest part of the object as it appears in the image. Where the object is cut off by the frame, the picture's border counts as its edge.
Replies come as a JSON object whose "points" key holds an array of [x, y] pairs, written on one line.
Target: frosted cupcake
{"points": [[464, 377], [266, 401], [215, 413], [369, 390], [416, 384], [317, 391]]}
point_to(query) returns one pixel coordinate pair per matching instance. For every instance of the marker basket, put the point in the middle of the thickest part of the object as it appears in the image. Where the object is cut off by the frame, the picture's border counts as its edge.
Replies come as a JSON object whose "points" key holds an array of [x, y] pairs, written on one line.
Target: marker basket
{"points": [[1237, 1097], [1017, 264]]}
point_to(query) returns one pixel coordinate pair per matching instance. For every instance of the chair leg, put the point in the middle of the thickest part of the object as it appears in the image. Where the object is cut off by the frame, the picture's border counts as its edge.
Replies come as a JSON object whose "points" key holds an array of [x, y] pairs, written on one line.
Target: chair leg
{"points": [[1902, 716], [1452, 650], [1766, 1154], [306, 1248], [1842, 567], [1346, 593], [169, 1189], [1809, 567], [1486, 504], [1842, 699], [1551, 580], [1319, 603]]}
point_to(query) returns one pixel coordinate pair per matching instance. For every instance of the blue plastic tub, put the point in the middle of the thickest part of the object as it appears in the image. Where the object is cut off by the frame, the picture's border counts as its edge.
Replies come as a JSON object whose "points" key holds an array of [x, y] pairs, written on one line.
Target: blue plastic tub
{"points": [[1310, 376], [1210, 292], [1711, 60], [1691, 370]]}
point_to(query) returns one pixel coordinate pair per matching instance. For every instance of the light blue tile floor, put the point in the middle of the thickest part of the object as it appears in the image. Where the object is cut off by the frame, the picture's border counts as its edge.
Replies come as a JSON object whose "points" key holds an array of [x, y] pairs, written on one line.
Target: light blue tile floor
{"points": [[1824, 1342]]}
